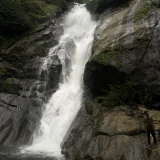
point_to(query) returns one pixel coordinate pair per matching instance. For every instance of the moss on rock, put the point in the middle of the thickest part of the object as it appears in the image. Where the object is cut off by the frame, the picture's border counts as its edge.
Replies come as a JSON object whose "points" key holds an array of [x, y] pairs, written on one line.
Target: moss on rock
{"points": [[147, 5], [107, 56]]}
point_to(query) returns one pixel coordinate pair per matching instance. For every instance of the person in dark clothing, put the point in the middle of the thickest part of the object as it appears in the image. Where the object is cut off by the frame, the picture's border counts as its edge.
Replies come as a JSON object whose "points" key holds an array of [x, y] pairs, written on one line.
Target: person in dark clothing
{"points": [[149, 127], [159, 132]]}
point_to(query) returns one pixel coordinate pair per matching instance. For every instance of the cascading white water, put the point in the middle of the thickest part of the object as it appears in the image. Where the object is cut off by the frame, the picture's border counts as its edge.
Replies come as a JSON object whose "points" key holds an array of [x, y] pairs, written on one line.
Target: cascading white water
{"points": [[74, 50]]}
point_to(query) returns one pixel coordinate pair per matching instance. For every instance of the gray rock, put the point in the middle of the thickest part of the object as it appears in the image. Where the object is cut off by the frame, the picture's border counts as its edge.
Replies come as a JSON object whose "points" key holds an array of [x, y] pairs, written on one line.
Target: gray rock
{"points": [[19, 117], [94, 137], [126, 48], [24, 86]]}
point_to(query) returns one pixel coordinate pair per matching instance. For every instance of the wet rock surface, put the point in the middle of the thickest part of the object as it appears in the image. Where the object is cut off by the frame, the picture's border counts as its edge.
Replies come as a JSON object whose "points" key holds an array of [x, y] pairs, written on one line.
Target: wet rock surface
{"points": [[27, 81]]}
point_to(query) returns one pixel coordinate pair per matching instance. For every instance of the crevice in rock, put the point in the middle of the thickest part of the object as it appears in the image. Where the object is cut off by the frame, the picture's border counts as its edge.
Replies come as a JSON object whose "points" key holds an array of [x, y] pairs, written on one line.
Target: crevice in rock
{"points": [[118, 134]]}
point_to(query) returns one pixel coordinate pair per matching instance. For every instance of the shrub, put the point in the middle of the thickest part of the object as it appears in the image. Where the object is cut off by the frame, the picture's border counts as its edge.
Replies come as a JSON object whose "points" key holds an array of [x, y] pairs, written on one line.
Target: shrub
{"points": [[13, 18], [128, 93], [19, 16]]}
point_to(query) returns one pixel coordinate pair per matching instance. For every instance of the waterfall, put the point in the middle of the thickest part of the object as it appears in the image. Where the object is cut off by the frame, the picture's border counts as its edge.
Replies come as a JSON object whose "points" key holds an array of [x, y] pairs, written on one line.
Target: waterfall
{"points": [[74, 50]]}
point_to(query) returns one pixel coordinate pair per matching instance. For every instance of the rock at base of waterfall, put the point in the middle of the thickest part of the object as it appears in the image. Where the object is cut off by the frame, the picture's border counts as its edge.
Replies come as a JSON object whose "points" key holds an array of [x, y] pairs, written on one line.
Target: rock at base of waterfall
{"points": [[114, 134], [19, 117]]}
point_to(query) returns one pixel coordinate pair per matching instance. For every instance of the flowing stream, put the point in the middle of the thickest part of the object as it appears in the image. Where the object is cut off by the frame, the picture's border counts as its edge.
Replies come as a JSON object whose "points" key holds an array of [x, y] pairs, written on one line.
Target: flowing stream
{"points": [[73, 50]]}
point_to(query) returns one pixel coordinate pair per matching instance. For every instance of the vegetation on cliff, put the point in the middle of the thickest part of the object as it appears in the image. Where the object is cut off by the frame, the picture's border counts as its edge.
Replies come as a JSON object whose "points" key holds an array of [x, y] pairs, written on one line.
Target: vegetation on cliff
{"points": [[20, 16], [128, 93], [124, 68]]}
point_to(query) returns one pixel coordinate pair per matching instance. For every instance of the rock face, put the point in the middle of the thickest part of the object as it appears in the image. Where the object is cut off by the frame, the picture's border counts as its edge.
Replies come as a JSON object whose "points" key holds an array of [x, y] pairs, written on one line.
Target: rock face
{"points": [[110, 135], [28, 76], [123, 72], [127, 48]]}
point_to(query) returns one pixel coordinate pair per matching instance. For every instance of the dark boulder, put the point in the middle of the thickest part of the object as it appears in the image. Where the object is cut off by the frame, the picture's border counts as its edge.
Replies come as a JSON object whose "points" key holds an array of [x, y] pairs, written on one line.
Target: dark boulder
{"points": [[97, 76]]}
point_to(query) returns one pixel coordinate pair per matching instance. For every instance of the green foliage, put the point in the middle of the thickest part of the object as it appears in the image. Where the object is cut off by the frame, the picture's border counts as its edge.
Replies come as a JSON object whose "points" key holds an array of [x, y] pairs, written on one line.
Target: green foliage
{"points": [[3, 41], [60, 3], [3, 72], [107, 56], [10, 88], [9, 72], [36, 17], [109, 101], [86, 1], [52, 9], [20, 16], [18, 57], [127, 93], [38, 10], [6, 41], [147, 6], [13, 18]]}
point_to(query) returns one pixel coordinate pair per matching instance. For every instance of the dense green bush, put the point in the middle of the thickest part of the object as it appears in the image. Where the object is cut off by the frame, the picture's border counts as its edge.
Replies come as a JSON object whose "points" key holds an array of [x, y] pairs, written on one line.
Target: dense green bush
{"points": [[127, 93], [19, 16], [15, 15], [12, 17]]}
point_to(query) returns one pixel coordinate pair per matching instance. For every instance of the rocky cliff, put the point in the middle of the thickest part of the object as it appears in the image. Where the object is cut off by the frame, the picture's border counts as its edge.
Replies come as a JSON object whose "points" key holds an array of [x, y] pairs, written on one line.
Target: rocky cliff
{"points": [[122, 74], [28, 73], [110, 135], [25, 84], [127, 46]]}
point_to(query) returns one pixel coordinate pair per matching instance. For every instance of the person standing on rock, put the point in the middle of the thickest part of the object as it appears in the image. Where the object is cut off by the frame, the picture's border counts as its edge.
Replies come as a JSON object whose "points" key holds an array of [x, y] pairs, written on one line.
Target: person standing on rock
{"points": [[149, 127]]}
